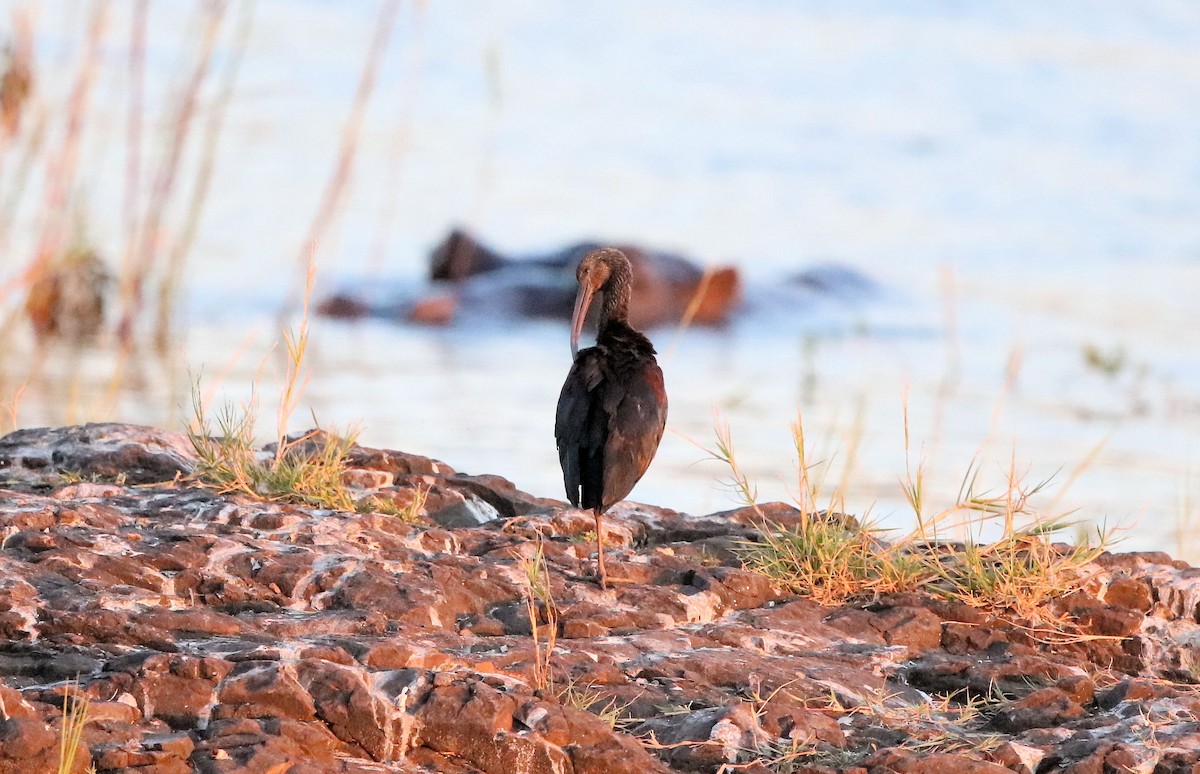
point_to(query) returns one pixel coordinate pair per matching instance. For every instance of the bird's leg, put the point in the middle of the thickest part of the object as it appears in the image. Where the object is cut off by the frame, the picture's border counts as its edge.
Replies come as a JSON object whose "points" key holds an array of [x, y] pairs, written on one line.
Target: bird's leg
{"points": [[601, 575]]}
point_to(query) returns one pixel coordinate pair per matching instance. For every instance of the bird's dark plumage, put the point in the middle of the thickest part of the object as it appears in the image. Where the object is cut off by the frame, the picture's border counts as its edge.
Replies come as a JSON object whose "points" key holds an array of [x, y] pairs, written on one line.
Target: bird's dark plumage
{"points": [[611, 416], [613, 406]]}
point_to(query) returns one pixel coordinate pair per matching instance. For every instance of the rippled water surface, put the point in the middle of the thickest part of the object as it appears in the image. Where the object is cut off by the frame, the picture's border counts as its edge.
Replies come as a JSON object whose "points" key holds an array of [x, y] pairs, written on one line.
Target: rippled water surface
{"points": [[1021, 180]]}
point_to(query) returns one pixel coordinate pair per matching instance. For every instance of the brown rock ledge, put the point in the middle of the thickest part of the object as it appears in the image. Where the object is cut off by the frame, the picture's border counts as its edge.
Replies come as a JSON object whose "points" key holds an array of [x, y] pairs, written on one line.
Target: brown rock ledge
{"points": [[222, 634]]}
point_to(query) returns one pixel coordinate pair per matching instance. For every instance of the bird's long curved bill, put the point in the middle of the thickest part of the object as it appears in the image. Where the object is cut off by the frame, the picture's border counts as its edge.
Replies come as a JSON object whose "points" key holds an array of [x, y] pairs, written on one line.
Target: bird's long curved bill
{"points": [[583, 300]]}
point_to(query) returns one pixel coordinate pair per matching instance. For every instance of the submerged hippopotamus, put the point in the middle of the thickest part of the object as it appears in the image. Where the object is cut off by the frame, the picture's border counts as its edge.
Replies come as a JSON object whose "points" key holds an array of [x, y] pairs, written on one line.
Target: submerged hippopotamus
{"points": [[470, 277]]}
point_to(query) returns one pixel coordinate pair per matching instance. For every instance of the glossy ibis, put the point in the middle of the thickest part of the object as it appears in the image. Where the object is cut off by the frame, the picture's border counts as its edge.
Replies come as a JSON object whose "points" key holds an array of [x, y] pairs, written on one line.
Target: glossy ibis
{"points": [[613, 407]]}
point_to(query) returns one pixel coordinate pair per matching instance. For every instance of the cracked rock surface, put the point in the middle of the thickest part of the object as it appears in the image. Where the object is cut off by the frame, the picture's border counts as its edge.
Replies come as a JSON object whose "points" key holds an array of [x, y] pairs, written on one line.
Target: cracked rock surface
{"points": [[220, 633]]}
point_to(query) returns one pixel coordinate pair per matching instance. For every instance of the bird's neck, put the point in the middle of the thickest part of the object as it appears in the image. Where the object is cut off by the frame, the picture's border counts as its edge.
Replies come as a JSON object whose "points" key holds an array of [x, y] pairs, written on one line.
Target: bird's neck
{"points": [[616, 300]]}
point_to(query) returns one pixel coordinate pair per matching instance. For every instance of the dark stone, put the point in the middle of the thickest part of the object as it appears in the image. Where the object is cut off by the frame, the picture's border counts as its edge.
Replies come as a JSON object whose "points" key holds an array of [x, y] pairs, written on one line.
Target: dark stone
{"points": [[139, 455]]}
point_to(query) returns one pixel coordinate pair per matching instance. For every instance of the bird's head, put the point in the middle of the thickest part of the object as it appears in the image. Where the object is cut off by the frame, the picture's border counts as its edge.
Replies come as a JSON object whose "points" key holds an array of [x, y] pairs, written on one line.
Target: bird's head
{"points": [[599, 271]]}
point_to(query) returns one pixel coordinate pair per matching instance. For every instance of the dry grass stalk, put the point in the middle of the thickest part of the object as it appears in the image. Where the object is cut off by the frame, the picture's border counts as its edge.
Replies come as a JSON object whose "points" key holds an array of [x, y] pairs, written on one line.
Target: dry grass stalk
{"points": [[592, 699], [332, 197], [12, 409], [133, 142], [401, 139], [539, 603], [139, 261], [168, 286], [76, 707], [410, 512], [60, 173], [739, 482], [297, 346]]}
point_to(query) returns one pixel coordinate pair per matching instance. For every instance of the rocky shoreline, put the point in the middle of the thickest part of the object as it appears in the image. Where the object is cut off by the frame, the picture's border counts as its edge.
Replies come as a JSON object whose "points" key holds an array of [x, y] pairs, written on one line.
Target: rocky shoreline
{"points": [[225, 634]]}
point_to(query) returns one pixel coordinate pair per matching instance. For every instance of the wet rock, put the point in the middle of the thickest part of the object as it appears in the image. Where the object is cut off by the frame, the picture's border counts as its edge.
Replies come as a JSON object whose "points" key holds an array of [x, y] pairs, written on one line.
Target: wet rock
{"points": [[450, 508]]}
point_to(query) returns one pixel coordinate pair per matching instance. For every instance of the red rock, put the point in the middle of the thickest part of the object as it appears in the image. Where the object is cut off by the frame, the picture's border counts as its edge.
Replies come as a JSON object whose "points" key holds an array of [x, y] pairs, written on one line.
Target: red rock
{"points": [[269, 745], [1129, 690], [178, 689], [362, 478], [913, 627], [255, 689], [1017, 757], [737, 589], [784, 716], [140, 455], [577, 629], [174, 744], [1132, 559], [27, 745], [172, 554], [1042, 708], [938, 763], [353, 639], [1133, 593], [1010, 675], [198, 621], [1109, 621], [890, 759], [483, 626], [471, 721], [145, 759], [1080, 688], [13, 705], [36, 542], [336, 654], [354, 713], [113, 710], [397, 463], [87, 489]]}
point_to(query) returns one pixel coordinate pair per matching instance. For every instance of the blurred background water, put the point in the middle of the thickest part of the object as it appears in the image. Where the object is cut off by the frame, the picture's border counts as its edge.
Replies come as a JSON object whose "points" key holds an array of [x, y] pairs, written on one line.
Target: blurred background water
{"points": [[1021, 181]]}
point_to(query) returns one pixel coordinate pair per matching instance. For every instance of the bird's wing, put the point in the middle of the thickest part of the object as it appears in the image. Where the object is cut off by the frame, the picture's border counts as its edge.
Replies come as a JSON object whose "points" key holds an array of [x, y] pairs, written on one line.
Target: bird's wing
{"points": [[639, 416], [579, 431]]}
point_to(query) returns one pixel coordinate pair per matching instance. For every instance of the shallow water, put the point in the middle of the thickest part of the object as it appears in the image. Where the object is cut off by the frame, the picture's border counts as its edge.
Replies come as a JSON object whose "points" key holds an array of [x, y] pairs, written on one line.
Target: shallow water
{"points": [[1023, 180]]}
